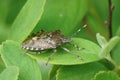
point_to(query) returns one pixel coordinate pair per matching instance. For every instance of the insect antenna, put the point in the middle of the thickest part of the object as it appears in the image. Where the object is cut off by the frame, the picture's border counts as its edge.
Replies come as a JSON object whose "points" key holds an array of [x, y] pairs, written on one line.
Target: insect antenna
{"points": [[72, 42], [79, 30]]}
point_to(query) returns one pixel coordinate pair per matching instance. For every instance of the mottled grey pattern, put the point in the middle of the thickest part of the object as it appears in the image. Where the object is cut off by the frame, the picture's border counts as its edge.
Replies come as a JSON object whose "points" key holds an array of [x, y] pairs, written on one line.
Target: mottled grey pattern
{"points": [[45, 40]]}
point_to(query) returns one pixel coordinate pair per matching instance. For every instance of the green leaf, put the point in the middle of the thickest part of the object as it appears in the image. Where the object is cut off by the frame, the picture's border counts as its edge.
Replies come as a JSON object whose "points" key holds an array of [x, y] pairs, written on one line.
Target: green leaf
{"points": [[4, 31], [13, 10], [45, 70], [103, 75], [88, 54], [12, 54], [118, 31], [115, 53], [53, 72], [0, 49], [115, 17], [96, 18], [2, 66], [109, 46], [10, 73], [62, 14], [79, 72], [101, 40], [27, 19], [3, 10]]}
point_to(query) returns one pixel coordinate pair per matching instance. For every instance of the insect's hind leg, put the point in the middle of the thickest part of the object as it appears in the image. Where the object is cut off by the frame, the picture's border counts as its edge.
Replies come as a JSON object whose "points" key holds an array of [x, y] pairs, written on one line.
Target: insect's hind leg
{"points": [[67, 50], [54, 51]]}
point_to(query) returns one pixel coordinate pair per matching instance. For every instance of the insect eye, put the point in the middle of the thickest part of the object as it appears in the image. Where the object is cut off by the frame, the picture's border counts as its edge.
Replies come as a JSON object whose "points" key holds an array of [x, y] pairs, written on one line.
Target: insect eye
{"points": [[66, 40]]}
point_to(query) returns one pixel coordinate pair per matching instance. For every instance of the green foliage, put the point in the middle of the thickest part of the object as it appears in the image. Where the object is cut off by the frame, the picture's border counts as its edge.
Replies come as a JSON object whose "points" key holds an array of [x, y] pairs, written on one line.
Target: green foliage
{"points": [[27, 19], [10, 73], [79, 72], [59, 14], [118, 32], [2, 66], [102, 75], [109, 46], [53, 72], [101, 40], [18, 19], [12, 54]]}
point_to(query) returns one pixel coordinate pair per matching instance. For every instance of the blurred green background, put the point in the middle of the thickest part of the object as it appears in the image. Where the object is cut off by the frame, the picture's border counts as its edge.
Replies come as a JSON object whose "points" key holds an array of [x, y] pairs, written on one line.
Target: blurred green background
{"points": [[9, 9], [91, 12]]}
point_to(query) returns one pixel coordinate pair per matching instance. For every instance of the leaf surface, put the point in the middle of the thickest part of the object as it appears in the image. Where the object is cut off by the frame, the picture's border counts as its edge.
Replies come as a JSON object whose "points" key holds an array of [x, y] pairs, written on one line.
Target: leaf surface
{"points": [[13, 55], [10, 73]]}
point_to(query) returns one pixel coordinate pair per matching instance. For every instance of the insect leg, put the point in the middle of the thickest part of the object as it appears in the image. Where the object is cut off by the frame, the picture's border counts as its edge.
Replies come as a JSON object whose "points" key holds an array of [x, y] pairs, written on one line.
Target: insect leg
{"points": [[26, 52], [54, 51], [39, 52], [76, 46], [71, 52], [29, 52]]}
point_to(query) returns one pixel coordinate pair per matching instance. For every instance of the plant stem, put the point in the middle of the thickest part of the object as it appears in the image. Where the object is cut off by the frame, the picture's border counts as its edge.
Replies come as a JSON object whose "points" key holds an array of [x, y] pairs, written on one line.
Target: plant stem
{"points": [[110, 17], [116, 66], [113, 62]]}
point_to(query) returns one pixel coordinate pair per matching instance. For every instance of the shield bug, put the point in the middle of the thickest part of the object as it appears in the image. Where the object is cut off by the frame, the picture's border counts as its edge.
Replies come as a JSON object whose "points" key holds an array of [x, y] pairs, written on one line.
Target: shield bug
{"points": [[44, 40]]}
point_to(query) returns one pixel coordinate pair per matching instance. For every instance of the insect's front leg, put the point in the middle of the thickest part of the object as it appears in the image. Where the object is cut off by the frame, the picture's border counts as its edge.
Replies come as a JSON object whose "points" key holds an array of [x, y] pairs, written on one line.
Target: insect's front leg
{"points": [[75, 45]]}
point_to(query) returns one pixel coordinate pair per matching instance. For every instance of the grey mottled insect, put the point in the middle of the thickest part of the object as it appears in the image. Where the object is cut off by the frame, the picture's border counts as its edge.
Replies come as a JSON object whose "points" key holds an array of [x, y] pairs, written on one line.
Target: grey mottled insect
{"points": [[44, 40]]}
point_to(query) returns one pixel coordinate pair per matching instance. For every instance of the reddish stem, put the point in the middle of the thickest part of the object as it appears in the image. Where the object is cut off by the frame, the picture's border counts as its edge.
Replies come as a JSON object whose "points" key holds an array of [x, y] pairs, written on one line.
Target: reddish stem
{"points": [[110, 17]]}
